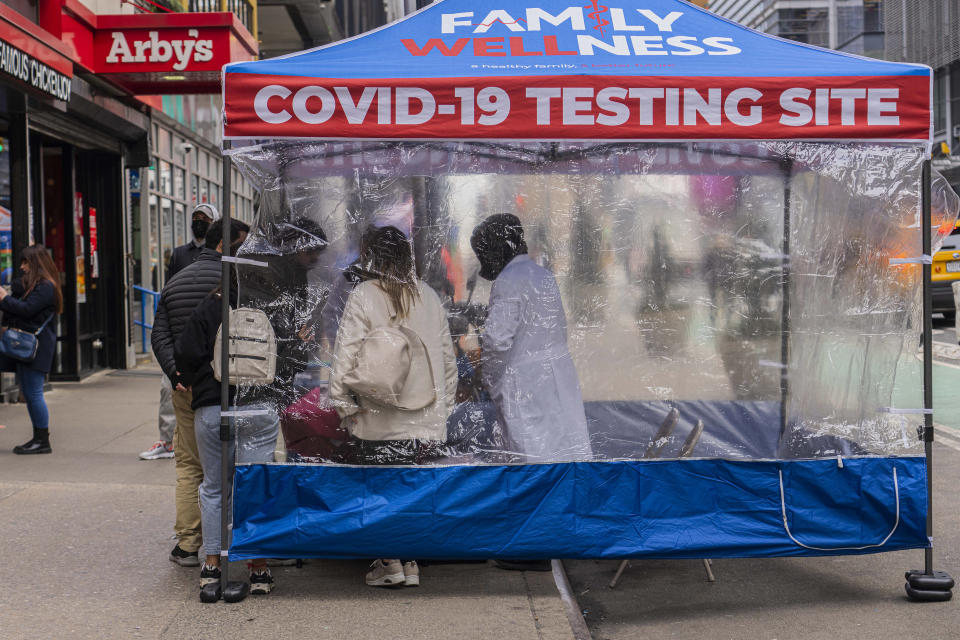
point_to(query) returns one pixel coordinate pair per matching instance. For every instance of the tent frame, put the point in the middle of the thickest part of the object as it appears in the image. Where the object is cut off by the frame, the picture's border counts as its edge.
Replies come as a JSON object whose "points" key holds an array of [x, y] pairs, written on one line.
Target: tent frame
{"points": [[925, 584]]}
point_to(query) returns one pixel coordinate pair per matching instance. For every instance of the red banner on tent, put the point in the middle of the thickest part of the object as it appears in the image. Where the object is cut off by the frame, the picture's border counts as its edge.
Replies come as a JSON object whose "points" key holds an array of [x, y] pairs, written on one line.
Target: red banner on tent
{"points": [[580, 107]]}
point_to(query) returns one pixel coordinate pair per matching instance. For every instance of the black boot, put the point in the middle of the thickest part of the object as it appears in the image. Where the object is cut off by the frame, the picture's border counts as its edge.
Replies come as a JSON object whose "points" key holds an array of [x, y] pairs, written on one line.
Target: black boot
{"points": [[40, 443]]}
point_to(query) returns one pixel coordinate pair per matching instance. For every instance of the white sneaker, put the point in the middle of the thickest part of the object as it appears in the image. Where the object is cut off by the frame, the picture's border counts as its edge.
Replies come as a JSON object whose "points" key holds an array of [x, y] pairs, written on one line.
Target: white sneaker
{"points": [[411, 574], [385, 574], [159, 450]]}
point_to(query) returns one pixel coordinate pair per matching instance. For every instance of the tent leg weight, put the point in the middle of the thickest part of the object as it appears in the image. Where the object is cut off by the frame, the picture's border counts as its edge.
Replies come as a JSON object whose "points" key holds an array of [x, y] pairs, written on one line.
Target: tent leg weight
{"points": [[210, 593], [236, 591], [929, 587]]}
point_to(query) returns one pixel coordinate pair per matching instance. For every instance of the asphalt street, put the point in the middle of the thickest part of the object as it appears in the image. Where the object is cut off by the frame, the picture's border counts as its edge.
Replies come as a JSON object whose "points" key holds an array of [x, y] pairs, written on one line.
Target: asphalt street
{"points": [[849, 597], [946, 375], [856, 597]]}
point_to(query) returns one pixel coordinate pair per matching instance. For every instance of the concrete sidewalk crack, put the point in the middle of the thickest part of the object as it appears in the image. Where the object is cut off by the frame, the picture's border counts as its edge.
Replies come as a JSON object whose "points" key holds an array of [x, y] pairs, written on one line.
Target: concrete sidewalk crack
{"points": [[533, 607], [12, 493]]}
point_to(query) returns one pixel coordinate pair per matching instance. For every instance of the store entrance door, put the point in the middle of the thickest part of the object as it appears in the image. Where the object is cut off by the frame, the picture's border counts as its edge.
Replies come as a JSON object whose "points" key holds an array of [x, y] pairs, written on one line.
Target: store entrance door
{"points": [[81, 199]]}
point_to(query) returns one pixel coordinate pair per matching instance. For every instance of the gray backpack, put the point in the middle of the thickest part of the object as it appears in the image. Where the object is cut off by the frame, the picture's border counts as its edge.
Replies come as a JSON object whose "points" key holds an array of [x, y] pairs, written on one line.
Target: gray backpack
{"points": [[253, 348]]}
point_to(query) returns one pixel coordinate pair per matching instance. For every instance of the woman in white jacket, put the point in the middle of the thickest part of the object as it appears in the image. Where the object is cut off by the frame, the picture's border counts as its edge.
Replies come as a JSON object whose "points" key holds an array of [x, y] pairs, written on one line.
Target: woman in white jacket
{"points": [[391, 295]]}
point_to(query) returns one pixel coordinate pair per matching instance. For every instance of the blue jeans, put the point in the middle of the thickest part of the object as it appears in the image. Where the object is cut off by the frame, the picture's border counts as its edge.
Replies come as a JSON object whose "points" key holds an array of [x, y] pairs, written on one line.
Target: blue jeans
{"points": [[257, 438], [31, 384]]}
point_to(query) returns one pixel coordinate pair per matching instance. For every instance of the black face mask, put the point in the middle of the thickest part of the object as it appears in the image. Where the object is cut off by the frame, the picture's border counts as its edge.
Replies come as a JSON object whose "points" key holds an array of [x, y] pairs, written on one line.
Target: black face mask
{"points": [[497, 241], [199, 228]]}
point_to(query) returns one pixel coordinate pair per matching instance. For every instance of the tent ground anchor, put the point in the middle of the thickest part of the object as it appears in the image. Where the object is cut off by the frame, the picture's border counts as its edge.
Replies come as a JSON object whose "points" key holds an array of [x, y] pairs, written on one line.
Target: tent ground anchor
{"points": [[936, 586]]}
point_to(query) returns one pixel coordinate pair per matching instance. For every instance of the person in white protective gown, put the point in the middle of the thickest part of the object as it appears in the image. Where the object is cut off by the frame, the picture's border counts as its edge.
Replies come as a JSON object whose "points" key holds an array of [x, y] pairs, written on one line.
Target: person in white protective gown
{"points": [[526, 365]]}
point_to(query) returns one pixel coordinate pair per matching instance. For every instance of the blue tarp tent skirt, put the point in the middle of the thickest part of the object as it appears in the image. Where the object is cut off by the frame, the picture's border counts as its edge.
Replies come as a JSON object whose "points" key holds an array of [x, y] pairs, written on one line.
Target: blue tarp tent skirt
{"points": [[691, 508]]}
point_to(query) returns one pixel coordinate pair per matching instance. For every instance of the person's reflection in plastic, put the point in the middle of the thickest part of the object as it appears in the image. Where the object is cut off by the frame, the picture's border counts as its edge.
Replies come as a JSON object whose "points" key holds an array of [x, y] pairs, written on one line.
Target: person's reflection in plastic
{"points": [[525, 362], [284, 292]]}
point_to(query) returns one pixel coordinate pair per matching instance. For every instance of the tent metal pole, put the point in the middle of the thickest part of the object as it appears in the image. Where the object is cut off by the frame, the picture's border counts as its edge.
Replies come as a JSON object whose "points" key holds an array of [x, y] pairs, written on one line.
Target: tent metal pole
{"points": [[226, 479], [928, 585], [785, 303], [927, 359]]}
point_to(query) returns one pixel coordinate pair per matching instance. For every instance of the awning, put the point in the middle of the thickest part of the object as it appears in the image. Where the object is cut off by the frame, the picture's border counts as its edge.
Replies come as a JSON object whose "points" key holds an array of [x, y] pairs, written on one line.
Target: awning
{"points": [[635, 70]]}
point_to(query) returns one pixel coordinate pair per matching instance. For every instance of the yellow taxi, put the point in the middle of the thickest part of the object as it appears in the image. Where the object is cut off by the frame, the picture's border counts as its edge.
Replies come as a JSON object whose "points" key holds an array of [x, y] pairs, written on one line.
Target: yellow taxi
{"points": [[946, 271]]}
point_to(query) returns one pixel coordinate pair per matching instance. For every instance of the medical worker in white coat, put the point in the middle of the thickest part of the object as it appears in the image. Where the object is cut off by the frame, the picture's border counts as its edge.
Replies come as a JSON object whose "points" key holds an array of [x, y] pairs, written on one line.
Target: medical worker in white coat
{"points": [[526, 365]]}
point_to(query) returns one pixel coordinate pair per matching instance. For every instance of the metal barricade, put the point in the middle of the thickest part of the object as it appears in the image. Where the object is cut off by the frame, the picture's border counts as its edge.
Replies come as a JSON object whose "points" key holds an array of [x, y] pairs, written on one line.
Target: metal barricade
{"points": [[142, 322]]}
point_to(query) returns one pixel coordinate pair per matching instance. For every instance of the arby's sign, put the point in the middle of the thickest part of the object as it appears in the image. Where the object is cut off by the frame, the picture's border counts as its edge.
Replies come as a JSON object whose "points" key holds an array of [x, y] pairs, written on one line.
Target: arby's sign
{"points": [[176, 51], [170, 53], [659, 69]]}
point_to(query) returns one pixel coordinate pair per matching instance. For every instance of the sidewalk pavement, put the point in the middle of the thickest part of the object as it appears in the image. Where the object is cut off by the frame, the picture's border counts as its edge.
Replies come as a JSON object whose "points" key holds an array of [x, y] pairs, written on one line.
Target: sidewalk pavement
{"points": [[87, 530]]}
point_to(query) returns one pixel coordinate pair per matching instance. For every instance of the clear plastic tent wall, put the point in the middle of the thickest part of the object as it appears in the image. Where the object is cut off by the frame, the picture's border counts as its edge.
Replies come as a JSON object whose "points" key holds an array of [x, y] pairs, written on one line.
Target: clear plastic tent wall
{"points": [[708, 348]]}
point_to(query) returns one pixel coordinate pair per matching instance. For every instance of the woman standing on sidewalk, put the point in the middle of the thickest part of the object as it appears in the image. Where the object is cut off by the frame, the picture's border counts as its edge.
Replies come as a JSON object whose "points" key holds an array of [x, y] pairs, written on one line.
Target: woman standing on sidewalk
{"points": [[34, 300]]}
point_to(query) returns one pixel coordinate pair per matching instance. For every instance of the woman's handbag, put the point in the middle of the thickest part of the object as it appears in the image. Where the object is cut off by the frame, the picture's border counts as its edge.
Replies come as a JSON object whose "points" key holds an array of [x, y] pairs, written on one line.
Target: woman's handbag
{"points": [[21, 345], [311, 427]]}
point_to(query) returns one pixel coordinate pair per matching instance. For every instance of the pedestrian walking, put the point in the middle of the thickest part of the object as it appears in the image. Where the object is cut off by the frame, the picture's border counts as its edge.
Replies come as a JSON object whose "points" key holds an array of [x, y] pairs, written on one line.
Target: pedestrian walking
{"points": [[256, 438], [34, 301], [409, 428], [179, 298], [204, 215]]}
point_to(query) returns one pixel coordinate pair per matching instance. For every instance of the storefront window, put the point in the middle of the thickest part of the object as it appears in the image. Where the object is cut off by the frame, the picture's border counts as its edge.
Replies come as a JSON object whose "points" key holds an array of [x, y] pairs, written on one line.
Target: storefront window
{"points": [[166, 186], [169, 241], [181, 224], [166, 141], [179, 153], [178, 184], [154, 245], [194, 189]]}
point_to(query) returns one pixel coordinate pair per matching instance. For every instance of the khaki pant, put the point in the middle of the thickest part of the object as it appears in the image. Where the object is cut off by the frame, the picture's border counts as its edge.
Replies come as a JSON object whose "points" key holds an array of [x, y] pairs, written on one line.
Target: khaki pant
{"points": [[189, 473]]}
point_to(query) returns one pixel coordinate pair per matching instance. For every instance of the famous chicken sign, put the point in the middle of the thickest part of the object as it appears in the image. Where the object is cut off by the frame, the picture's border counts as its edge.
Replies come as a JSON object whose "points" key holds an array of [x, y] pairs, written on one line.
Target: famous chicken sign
{"points": [[594, 71]]}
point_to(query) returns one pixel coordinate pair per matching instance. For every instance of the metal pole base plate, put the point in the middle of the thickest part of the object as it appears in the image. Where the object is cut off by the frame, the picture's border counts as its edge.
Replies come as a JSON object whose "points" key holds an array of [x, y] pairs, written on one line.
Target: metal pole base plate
{"points": [[929, 587]]}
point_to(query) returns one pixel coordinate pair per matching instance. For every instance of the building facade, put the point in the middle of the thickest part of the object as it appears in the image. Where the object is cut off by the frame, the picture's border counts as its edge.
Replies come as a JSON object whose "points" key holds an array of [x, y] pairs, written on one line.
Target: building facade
{"points": [[855, 26], [928, 32], [101, 176]]}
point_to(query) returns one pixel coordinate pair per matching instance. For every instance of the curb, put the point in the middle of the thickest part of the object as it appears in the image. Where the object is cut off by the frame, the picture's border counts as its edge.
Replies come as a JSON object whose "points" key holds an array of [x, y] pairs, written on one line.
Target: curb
{"points": [[947, 436], [574, 615]]}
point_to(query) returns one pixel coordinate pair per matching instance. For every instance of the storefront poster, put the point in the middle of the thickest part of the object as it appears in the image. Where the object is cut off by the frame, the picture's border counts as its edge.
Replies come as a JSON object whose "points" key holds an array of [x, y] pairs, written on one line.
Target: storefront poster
{"points": [[79, 248], [6, 247], [94, 256]]}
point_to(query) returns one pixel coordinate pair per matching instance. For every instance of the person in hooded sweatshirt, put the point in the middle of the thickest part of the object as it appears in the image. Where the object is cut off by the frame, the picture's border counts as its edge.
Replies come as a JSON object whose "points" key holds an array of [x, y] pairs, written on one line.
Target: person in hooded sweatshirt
{"points": [[525, 363]]}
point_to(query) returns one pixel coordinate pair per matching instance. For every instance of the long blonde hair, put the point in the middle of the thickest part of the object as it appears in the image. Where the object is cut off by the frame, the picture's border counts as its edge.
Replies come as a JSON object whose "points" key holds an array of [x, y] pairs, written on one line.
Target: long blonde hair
{"points": [[388, 256]]}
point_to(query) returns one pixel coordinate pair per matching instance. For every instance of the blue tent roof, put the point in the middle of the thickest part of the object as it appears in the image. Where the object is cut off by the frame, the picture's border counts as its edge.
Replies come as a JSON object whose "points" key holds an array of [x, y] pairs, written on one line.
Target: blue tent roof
{"points": [[462, 38], [549, 69]]}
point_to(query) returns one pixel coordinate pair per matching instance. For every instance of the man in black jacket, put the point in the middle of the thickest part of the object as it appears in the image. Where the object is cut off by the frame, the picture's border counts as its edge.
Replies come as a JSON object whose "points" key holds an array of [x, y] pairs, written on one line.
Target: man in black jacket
{"points": [[180, 296], [204, 215]]}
